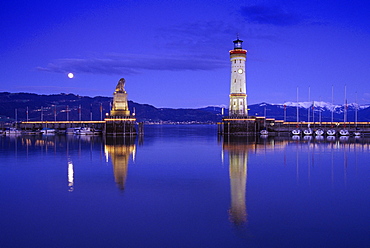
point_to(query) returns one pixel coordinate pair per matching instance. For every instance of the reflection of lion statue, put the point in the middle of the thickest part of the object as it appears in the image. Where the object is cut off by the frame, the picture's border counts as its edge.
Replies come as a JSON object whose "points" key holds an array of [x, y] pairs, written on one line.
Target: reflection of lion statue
{"points": [[121, 85]]}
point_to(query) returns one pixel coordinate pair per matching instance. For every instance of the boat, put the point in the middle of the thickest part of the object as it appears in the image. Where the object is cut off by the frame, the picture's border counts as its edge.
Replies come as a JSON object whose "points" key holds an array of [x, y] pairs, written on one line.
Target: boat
{"points": [[70, 130], [85, 131], [331, 132], [12, 131], [319, 132], [46, 131], [296, 132], [357, 133], [264, 132], [307, 131], [31, 132], [344, 132]]}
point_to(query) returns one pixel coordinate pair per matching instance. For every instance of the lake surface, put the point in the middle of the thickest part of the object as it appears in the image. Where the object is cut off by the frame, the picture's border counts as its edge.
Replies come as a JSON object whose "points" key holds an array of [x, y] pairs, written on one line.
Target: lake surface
{"points": [[183, 186]]}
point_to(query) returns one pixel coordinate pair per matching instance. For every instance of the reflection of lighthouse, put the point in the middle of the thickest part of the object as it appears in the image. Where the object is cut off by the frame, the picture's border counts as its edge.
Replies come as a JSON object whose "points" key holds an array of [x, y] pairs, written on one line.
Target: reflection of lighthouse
{"points": [[238, 183], [238, 163], [120, 149]]}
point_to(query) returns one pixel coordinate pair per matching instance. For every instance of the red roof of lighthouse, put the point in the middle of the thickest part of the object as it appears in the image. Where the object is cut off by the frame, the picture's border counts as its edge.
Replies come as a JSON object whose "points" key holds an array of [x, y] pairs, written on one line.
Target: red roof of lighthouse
{"points": [[238, 51]]}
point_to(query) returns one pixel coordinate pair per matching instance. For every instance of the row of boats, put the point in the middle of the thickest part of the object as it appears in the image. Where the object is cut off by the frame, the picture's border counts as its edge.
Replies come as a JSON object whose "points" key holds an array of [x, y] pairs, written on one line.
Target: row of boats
{"points": [[318, 132], [51, 131]]}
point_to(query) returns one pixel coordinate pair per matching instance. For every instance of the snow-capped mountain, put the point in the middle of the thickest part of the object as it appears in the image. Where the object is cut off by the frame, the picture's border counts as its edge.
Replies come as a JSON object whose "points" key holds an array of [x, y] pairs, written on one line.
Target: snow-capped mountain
{"points": [[312, 111], [325, 105]]}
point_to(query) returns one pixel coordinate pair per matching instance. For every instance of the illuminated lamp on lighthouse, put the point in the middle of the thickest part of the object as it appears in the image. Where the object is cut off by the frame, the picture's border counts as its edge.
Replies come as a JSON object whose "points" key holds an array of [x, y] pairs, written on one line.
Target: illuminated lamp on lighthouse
{"points": [[238, 89]]}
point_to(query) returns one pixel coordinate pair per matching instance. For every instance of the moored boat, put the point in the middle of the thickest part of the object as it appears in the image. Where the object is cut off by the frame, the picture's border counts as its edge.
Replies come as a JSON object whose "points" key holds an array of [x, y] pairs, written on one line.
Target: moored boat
{"points": [[12, 131], [307, 131], [47, 131], [70, 130], [85, 131], [31, 132], [264, 132], [319, 132], [344, 132], [296, 132], [357, 133], [331, 132]]}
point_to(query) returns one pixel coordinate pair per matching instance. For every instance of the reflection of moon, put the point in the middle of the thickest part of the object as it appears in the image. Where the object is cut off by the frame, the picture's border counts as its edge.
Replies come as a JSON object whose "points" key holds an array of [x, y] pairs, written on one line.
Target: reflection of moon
{"points": [[70, 75]]}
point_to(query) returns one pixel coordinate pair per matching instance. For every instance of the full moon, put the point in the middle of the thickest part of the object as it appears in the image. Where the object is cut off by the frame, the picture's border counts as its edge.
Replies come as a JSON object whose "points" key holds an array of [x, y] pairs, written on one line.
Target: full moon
{"points": [[70, 75]]}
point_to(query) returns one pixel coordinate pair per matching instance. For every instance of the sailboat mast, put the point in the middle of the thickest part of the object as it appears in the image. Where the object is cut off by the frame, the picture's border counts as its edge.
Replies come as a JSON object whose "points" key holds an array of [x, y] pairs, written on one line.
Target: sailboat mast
{"points": [[332, 103], [320, 112], [309, 100], [356, 109], [345, 104], [297, 108]]}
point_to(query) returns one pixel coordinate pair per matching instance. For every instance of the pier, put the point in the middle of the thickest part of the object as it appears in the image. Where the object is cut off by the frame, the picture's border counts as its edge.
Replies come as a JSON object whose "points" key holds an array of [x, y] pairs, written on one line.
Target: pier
{"points": [[254, 126], [239, 122], [118, 123], [110, 126], [60, 126]]}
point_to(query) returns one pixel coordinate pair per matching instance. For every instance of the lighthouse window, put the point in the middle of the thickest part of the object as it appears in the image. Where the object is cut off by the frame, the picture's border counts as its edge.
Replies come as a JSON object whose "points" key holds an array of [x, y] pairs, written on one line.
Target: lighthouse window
{"points": [[234, 80], [240, 89]]}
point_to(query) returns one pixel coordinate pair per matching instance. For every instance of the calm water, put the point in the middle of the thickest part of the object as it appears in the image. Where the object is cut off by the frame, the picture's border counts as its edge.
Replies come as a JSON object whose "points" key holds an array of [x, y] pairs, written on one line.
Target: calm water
{"points": [[182, 186]]}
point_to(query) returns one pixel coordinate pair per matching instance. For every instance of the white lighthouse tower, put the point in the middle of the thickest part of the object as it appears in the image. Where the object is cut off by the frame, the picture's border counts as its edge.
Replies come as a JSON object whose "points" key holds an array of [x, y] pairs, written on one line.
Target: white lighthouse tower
{"points": [[238, 89]]}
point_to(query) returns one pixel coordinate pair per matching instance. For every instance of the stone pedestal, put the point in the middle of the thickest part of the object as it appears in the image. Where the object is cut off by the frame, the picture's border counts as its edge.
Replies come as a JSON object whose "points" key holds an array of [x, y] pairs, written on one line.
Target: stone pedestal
{"points": [[120, 126], [240, 126]]}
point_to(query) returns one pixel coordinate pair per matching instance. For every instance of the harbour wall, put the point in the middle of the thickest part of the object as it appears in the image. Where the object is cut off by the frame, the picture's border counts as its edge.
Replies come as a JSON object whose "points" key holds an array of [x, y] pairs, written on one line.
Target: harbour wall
{"points": [[110, 127], [254, 125]]}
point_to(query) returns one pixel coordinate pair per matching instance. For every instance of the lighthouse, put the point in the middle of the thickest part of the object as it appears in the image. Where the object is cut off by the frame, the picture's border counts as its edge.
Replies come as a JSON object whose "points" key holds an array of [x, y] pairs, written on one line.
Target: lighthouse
{"points": [[238, 89], [238, 122]]}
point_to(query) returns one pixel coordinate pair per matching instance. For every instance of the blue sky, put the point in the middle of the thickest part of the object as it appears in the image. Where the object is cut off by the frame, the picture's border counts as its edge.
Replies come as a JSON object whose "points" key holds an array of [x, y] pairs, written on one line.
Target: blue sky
{"points": [[175, 53]]}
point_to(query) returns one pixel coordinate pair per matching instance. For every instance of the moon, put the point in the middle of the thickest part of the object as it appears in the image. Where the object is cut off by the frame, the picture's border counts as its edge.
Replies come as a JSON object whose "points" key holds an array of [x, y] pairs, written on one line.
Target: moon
{"points": [[70, 75]]}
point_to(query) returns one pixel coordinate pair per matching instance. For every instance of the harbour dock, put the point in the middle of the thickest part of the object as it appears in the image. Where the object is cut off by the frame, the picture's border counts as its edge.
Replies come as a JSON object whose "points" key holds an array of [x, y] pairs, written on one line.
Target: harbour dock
{"points": [[119, 122], [272, 127]]}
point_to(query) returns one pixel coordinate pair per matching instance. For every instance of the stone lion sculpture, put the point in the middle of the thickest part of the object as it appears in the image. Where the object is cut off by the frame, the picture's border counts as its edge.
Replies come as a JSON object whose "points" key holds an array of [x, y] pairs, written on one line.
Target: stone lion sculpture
{"points": [[121, 85]]}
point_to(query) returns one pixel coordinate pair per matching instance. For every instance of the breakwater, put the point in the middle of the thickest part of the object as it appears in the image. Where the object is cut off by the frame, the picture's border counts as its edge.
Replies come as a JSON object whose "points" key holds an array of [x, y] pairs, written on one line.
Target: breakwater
{"points": [[254, 125]]}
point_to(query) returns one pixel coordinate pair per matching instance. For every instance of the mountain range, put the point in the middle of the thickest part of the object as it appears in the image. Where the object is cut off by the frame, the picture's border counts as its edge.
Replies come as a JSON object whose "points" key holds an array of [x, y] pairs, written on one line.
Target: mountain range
{"points": [[23, 106]]}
